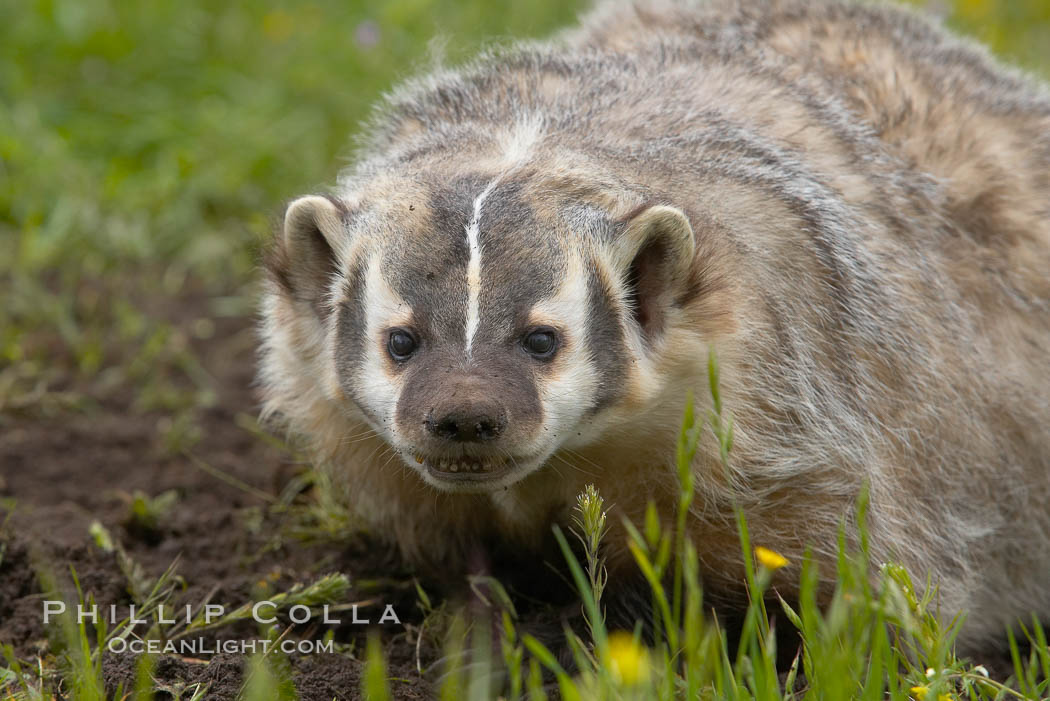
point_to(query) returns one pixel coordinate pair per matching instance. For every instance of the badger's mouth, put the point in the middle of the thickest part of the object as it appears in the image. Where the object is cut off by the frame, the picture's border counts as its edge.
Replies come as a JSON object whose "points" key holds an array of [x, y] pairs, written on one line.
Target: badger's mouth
{"points": [[463, 465], [465, 470]]}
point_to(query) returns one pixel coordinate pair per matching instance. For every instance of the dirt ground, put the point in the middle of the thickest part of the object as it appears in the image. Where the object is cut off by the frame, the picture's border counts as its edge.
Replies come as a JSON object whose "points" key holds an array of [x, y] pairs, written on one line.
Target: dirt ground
{"points": [[59, 473]]}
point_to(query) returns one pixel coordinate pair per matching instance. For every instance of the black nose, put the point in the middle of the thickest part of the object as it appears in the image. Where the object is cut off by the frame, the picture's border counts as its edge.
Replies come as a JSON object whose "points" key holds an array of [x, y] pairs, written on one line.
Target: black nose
{"points": [[466, 426]]}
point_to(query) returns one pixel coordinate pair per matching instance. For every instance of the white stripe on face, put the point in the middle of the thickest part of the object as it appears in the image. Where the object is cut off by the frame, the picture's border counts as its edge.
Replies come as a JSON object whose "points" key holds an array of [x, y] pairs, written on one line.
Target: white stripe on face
{"points": [[474, 266], [516, 149]]}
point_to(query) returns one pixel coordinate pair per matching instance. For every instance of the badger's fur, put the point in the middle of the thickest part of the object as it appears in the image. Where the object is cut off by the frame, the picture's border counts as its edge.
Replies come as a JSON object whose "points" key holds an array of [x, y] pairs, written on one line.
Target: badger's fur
{"points": [[522, 277]]}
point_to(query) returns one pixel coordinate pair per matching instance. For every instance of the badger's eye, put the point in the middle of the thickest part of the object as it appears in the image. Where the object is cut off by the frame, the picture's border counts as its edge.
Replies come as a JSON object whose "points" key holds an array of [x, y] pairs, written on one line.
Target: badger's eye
{"points": [[540, 342], [401, 344]]}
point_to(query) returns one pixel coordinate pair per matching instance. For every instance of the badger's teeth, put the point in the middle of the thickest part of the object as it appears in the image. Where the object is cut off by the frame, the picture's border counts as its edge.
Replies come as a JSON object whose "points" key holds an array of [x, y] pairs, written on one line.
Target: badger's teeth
{"points": [[463, 464], [418, 458]]}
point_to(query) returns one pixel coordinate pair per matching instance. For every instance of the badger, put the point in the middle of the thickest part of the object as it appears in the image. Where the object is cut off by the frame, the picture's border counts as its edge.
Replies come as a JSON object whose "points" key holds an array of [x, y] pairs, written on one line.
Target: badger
{"points": [[515, 290]]}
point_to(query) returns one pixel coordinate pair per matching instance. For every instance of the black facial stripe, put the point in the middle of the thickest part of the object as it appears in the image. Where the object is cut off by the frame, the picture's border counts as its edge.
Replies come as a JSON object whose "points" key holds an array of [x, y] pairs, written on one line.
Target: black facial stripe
{"points": [[428, 269], [351, 342], [521, 263], [605, 342]]}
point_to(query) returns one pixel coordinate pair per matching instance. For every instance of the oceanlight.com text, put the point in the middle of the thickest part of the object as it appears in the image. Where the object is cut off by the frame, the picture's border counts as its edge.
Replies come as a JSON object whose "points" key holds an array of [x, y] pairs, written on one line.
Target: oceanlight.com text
{"points": [[136, 646]]}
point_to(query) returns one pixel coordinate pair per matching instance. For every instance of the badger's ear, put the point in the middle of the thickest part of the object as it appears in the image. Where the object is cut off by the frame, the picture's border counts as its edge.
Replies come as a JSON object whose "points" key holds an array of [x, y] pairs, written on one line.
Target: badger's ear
{"points": [[304, 259], [654, 256]]}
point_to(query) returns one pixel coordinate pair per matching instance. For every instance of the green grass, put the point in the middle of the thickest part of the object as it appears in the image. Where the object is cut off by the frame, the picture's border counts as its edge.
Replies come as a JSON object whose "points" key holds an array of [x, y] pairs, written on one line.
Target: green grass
{"points": [[145, 151]]}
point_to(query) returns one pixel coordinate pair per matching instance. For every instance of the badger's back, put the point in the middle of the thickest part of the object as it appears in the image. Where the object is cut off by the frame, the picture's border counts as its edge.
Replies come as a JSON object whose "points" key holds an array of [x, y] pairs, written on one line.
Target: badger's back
{"points": [[945, 155]]}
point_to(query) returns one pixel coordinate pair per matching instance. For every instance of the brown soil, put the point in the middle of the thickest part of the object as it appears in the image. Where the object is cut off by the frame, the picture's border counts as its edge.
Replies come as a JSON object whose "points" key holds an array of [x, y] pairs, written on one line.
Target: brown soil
{"points": [[62, 470]]}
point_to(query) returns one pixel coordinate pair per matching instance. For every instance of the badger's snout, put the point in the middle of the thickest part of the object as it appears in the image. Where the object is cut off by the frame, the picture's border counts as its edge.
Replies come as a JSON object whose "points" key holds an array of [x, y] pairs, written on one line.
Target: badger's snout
{"points": [[468, 428], [476, 421], [465, 409]]}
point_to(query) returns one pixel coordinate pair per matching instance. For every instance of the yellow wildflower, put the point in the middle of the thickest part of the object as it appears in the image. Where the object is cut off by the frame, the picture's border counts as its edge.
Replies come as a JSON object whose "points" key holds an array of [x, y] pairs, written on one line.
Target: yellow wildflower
{"points": [[628, 661], [920, 693], [770, 559]]}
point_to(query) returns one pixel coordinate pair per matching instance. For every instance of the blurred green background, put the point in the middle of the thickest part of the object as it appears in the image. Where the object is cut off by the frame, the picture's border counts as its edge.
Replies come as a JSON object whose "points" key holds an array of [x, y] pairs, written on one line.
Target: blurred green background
{"points": [[146, 149]]}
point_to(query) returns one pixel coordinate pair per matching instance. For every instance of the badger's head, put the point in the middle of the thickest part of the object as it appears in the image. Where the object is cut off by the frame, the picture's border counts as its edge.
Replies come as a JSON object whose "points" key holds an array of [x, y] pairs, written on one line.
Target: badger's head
{"points": [[482, 323]]}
